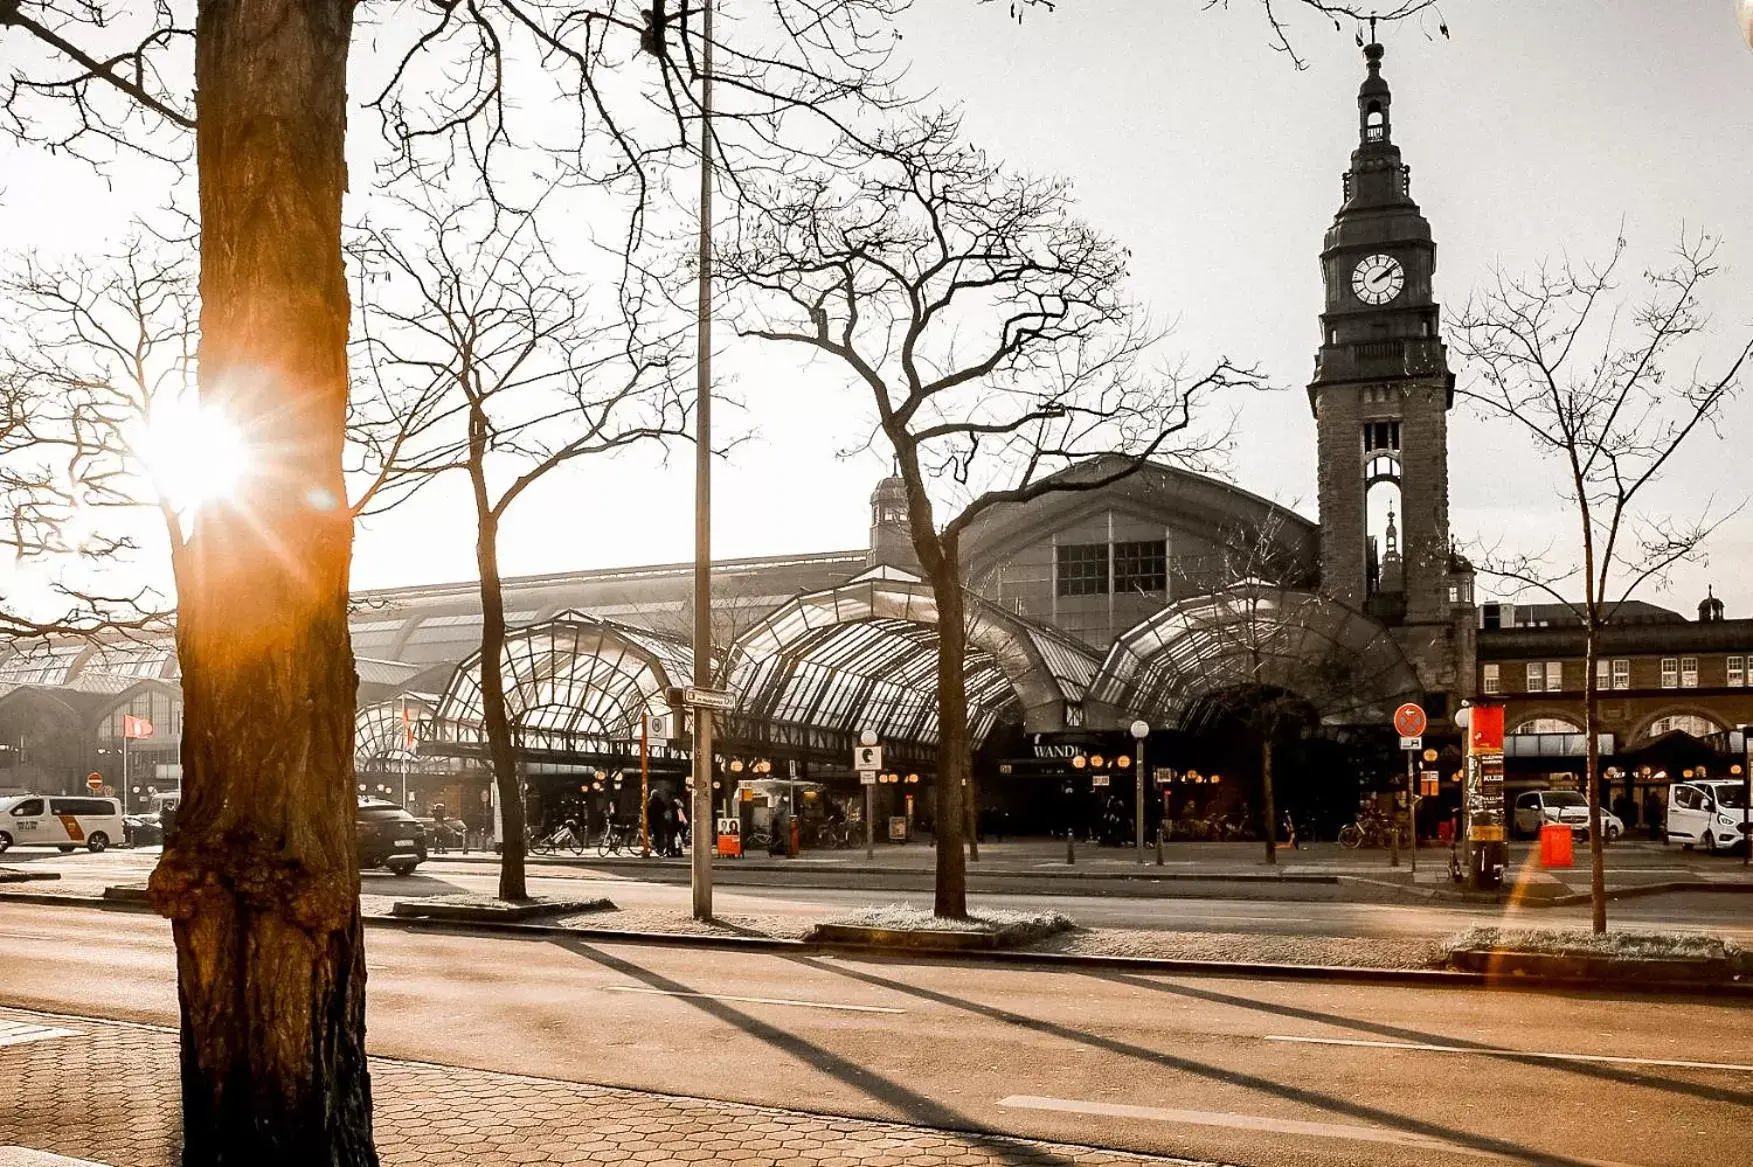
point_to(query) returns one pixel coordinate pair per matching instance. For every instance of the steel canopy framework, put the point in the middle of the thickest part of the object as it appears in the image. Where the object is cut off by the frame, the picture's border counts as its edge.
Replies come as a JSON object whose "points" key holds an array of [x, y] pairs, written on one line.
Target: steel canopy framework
{"points": [[863, 655], [574, 684], [1254, 635]]}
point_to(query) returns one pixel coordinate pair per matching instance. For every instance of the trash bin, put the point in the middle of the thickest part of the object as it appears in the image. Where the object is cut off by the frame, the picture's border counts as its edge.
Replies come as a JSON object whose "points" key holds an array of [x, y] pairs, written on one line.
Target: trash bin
{"points": [[1555, 846]]}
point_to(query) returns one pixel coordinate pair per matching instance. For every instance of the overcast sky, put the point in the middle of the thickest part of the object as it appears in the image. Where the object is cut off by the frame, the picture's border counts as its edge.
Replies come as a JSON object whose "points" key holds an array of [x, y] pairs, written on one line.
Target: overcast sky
{"points": [[1534, 130]]}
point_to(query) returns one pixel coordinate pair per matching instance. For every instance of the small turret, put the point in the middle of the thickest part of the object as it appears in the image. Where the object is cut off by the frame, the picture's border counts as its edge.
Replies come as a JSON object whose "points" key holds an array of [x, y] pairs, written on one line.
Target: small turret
{"points": [[1710, 609], [891, 542]]}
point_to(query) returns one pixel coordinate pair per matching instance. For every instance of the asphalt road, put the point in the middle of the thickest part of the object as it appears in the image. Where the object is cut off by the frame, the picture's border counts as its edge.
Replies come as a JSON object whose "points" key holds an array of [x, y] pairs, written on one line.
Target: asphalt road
{"points": [[1238, 1071], [1726, 914]]}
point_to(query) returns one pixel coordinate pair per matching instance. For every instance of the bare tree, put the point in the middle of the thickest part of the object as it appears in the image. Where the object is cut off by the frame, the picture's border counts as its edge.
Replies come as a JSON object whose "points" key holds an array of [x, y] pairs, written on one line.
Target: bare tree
{"points": [[988, 325], [515, 373], [1611, 389]]}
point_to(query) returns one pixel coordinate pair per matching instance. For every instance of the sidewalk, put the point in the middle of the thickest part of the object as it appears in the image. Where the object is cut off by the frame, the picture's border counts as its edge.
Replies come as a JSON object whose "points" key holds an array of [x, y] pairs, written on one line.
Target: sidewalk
{"points": [[107, 1092]]}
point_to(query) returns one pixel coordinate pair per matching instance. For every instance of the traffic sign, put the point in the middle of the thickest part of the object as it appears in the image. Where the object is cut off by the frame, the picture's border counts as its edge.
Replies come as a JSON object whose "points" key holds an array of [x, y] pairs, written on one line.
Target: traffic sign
{"points": [[867, 777], [708, 699], [94, 782], [867, 759], [1409, 721], [1411, 743]]}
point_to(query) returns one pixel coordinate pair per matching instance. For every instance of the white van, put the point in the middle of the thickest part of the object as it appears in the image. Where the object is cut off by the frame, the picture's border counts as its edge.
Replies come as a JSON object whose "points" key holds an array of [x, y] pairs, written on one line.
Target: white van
{"points": [[64, 822], [1706, 814]]}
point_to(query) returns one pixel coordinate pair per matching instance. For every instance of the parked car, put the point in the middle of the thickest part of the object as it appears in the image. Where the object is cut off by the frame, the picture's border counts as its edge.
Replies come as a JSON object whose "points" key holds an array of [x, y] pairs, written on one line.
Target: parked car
{"points": [[1538, 808], [389, 837], [144, 830], [65, 823], [1707, 814]]}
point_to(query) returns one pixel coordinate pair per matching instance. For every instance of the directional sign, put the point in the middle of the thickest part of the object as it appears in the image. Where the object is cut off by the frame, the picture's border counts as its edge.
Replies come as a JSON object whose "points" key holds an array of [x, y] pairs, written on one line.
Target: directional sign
{"points": [[1409, 721], [867, 759], [708, 699], [1411, 743]]}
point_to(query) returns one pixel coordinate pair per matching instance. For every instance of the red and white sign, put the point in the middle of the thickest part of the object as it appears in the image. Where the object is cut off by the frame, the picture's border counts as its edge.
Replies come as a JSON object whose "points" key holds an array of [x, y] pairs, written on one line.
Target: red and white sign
{"points": [[94, 782], [135, 727], [408, 727], [1409, 720], [1485, 730]]}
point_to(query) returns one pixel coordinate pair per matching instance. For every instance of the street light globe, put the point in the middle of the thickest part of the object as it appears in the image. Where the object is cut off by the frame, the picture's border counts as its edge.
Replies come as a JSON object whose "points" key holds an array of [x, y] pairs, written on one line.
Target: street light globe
{"points": [[1078, 762], [1122, 762], [736, 765], [1140, 729], [1096, 760], [1464, 717], [867, 737]]}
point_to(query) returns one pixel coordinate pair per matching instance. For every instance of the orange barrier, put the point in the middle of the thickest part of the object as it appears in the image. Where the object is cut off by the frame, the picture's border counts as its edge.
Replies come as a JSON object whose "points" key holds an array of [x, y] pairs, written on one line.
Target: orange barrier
{"points": [[1555, 846]]}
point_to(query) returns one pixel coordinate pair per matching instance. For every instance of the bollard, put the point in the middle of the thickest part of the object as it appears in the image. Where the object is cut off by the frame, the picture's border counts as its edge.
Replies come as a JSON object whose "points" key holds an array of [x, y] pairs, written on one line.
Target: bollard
{"points": [[1159, 846], [1070, 848]]}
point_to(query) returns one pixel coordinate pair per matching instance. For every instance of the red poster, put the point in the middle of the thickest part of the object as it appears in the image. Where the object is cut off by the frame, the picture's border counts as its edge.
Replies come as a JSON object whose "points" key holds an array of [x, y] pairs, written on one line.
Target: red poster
{"points": [[1485, 730]]}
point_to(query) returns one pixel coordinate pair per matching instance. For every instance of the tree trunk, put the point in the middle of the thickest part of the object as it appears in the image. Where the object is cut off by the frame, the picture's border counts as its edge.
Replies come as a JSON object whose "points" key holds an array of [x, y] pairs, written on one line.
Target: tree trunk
{"points": [[501, 749], [259, 876], [953, 750], [1267, 807], [971, 811], [1592, 771]]}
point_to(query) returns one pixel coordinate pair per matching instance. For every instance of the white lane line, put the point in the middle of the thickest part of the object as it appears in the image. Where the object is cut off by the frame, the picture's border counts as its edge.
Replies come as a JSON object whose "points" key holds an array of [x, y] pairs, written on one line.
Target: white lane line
{"points": [[20, 1032], [1248, 1122], [752, 1000], [1513, 1053]]}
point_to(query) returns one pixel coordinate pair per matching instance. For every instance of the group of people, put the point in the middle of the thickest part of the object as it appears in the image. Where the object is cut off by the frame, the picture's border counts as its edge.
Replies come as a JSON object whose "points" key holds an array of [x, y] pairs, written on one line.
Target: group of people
{"points": [[667, 820]]}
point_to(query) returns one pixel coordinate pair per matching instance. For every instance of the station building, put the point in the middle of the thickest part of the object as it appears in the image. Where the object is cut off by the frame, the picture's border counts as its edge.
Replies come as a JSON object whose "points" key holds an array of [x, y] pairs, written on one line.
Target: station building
{"points": [[1215, 616]]}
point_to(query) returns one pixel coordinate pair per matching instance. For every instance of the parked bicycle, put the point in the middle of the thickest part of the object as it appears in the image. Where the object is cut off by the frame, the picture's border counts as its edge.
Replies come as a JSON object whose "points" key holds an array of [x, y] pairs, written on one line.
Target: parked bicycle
{"points": [[617, 837], [567, 836], [1370, 830]]}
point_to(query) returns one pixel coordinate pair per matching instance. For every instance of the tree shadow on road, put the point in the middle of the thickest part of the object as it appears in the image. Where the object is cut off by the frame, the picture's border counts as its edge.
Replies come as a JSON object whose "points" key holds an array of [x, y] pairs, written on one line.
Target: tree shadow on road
{"points": [[916, 1106], [1605, 1073], [1273, 1089]]}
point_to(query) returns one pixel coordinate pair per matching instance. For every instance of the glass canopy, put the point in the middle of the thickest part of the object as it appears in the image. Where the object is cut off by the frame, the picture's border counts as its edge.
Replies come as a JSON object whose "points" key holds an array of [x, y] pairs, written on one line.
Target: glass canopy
{"points": [[571, 682], [864, 656], [387, 735], [1254, 635]]}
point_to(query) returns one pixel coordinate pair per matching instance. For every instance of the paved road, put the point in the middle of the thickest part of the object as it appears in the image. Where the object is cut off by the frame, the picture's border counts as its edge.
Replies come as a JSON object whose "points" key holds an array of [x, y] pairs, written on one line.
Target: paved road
{"points": [[1251, 1072], [1728, 914]]}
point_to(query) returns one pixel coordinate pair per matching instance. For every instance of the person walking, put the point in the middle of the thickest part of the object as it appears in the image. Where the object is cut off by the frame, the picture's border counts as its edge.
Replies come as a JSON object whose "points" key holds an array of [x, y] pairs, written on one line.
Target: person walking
{"points": [[657, 819], [678, 824]]}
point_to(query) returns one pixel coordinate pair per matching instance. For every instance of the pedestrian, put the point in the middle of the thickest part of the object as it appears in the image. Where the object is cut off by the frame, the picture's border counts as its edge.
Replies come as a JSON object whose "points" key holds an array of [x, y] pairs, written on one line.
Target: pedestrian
{"points": [[679, 824], [1654, 813], [655, 823]]}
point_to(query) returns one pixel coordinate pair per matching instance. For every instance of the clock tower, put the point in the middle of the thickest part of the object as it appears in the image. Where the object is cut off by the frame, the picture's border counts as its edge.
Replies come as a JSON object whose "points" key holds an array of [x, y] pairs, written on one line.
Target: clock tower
{"points": [[1381, 394]]}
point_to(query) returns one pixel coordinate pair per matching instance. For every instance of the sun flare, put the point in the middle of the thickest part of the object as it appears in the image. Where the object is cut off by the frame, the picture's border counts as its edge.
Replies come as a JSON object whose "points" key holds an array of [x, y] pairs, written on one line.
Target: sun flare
{"points": [[195, 455]]}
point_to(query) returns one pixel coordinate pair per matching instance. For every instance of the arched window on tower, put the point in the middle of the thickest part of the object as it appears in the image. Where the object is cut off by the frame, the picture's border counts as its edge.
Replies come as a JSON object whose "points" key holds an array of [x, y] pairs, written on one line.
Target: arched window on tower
{"points": [[1375, 122]]}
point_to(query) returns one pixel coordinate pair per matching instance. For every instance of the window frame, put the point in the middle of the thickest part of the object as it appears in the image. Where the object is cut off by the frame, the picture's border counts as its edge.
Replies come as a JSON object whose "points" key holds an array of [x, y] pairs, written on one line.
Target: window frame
{"points": [[1555, 676], [1146, 559], [1491, 679], [1670, 672], [1735, 669], [1689, 672], [1069, 584], [1621, 673]]}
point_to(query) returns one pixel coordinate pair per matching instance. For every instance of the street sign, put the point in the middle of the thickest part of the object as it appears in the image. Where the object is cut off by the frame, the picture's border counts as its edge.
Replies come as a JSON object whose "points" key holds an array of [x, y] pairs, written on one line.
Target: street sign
{"points": [[867, 777], [94, 782], [1411, 743], [1409, 721], [1098, 779], [867, 759], [708, 699]]}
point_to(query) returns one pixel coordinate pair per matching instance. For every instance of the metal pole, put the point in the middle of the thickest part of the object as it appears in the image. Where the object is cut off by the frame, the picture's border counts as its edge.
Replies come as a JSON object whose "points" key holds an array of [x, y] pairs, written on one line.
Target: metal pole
{"points": [[1746, 793], [124, 767], [1412, 807], [407, 732], [869, 826], [645, 784], [1393, 832], [701, 871], [1139, 815]]}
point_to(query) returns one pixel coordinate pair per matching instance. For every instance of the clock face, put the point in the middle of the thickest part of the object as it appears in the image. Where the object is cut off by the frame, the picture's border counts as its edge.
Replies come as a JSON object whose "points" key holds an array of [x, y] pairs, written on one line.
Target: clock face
{"points": [[1377, 279]]}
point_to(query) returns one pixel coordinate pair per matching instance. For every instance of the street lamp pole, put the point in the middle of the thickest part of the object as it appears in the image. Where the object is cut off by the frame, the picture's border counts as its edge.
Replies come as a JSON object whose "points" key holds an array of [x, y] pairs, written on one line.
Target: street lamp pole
{"points": [[1140, 731], [701, 867], [1746, 793]]}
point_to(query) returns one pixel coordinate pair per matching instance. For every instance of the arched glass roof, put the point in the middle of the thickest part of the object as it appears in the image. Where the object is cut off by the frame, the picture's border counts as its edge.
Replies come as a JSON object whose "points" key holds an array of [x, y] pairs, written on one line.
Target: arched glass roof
{"points": [[387, 735], [571, 682], [863, 655], [1255, 635]]}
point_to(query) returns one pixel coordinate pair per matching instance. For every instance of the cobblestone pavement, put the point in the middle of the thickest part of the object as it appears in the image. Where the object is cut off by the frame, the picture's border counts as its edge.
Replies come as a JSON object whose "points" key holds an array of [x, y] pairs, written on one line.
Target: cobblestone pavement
{"points": [[107, 1091]]}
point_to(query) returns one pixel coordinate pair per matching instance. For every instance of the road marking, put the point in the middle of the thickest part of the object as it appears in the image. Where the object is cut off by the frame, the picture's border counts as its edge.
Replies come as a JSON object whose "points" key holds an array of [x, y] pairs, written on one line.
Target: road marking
{"points": [[752, 1000], [1249, 1122], [1511, 1053], [19, 1032]]}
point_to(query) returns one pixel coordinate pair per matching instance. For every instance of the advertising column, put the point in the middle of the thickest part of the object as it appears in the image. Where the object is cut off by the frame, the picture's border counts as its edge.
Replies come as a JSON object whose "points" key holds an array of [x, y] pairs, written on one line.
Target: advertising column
{"points": [[1482, 798]]}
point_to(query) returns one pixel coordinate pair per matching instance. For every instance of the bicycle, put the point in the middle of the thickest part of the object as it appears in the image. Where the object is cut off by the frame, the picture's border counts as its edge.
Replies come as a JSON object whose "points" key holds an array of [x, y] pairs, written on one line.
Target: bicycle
{"points": [[616, 837], [567, 835], [758, 839], [1369, 830]]}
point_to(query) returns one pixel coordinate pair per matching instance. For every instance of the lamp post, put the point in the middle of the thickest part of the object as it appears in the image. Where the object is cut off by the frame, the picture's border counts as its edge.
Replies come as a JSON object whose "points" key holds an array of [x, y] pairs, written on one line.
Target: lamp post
{"points": [[1140, 731], [867, 737], [1746, 786], [700, 869]]}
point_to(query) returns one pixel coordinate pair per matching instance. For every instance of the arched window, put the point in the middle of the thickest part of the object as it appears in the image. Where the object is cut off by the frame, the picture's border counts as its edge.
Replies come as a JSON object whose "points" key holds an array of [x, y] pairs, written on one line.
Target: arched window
{"points": [[1375, 122]]}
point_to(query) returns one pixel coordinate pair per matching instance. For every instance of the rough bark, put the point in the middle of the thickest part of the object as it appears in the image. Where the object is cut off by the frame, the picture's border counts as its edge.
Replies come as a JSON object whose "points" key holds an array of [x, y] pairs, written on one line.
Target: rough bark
{"points": [[259, 877], [953, 748], [501, 750], [1267, 807], [1592, 775]]}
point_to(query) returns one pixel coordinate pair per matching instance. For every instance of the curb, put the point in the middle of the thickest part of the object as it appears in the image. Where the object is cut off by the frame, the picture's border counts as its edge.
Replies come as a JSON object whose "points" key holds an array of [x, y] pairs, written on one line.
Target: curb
{"points": [[1342, 974], [12, 875]]}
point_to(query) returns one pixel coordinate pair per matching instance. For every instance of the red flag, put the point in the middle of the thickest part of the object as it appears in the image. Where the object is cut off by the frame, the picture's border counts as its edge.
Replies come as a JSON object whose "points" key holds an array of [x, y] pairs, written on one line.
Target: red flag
{"points": [[135, 727], [408, 726]]}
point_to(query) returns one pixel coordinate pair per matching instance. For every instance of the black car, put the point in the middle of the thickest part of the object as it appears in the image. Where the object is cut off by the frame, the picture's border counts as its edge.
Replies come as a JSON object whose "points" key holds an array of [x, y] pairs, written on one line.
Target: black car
{"points": [[389, 837]]}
